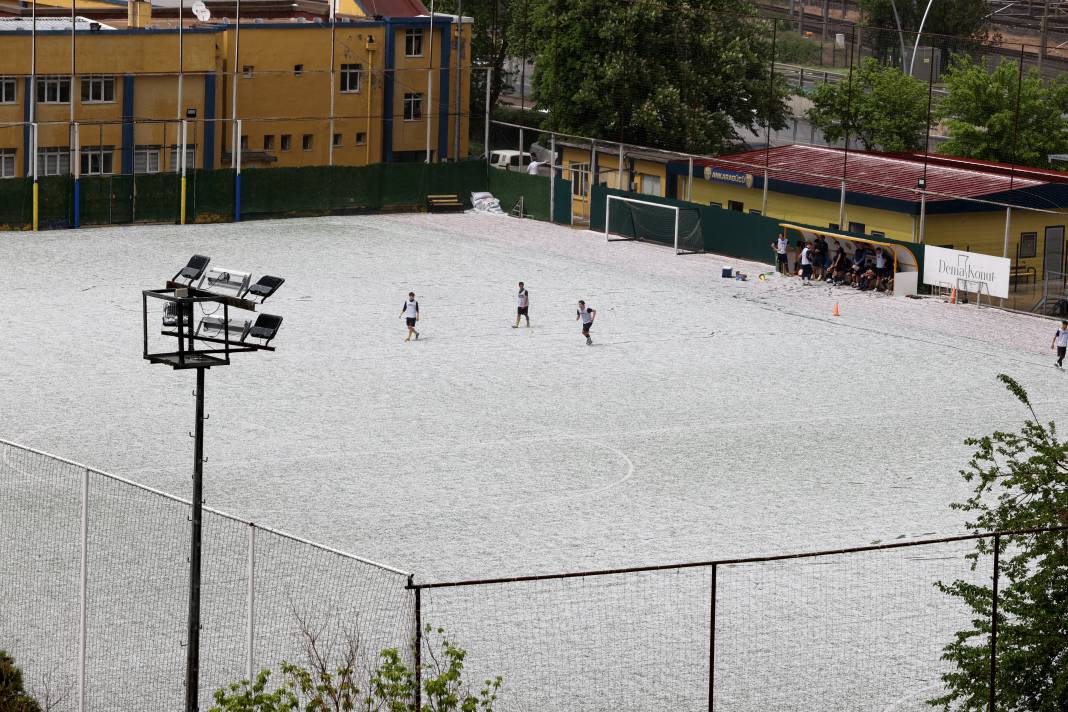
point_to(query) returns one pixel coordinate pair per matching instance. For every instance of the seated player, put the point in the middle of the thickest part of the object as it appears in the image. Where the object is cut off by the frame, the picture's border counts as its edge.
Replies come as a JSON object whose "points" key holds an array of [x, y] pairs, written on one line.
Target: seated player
{"points": [[867, 279]]}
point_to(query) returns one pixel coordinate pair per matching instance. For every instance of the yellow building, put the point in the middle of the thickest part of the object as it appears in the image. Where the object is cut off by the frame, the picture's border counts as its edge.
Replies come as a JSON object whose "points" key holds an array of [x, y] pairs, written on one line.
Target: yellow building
{"points": [[634, 170], [110, 98]]}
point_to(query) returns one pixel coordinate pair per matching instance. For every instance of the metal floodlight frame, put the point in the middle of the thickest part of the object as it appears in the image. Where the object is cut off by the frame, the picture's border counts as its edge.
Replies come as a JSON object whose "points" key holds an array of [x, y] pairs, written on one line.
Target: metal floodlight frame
{"points": [[200, 352], [195, 350]]}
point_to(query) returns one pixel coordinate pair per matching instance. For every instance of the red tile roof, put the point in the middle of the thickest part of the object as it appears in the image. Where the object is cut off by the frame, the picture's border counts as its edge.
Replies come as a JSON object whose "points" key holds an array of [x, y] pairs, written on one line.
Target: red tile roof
{"points": [[883, 174]]}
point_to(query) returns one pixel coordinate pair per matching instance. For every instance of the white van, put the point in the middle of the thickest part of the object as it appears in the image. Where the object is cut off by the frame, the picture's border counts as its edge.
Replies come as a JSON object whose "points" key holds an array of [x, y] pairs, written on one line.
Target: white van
{"points": [[510, 160]]}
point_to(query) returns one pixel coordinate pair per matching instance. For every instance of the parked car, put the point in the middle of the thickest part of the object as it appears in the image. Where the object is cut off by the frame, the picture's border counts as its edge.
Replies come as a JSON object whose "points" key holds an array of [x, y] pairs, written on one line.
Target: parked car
{"points": [[510, 160]]}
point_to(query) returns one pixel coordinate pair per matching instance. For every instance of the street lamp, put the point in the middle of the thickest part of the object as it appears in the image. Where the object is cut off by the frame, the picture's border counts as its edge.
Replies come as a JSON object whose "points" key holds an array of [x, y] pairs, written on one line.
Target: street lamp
{"points": [[201, 344]]}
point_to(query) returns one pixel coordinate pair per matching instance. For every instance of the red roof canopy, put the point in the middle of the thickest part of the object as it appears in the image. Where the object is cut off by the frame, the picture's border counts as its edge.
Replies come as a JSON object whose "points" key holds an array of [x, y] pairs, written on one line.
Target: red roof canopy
{"points": [[885, 175]]}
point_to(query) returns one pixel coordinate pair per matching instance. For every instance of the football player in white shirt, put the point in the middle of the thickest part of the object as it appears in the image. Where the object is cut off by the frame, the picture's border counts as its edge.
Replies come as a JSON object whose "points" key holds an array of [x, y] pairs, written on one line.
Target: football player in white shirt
{"points": [[1060, 342], [523, 310], [780, 246], [410, 312], [587, 315]]}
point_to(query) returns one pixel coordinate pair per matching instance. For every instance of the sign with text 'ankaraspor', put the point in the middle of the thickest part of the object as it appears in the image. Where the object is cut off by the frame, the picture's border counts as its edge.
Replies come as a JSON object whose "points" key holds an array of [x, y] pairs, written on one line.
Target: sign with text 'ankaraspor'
{"points": [[967, 271], [722, 175]]}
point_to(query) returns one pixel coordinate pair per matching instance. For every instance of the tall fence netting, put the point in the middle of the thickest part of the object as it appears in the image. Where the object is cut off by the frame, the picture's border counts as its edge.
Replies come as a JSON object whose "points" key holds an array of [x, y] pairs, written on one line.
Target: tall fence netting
{"points": [[858, 630]]}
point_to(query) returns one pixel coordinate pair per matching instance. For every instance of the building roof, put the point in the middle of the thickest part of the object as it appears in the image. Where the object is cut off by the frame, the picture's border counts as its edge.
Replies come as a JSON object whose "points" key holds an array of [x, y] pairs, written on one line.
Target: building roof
{"points": [[44, 24], [883, 175]]}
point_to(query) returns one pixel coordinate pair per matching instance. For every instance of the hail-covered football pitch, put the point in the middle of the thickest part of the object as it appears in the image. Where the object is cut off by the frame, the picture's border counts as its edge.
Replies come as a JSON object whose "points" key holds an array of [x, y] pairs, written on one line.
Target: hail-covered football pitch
{"points": [[710, 418]]}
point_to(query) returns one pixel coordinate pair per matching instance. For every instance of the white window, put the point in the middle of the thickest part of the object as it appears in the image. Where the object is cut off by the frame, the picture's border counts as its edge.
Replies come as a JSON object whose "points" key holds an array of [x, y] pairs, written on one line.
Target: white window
{"points": [[413, 106], [361, 138], [190, 158], [306, 142], [413, 43], [53, 161], [146, 159], [650, 185], [7, 163], [8, 87], [350, 78], [580, 178], [337, 140], [98, 160], [286, 140], [53, 90], [98, 90]]}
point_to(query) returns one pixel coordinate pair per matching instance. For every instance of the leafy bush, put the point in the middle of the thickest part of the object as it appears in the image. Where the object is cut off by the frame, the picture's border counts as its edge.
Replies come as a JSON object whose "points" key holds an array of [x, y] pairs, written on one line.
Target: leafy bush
{"points": [[792, 48], [391, 686]]}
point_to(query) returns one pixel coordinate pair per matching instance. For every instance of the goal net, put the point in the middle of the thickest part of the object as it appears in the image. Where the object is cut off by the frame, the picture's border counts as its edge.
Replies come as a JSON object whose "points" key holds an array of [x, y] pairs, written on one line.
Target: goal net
{"points": [[634, 219]]}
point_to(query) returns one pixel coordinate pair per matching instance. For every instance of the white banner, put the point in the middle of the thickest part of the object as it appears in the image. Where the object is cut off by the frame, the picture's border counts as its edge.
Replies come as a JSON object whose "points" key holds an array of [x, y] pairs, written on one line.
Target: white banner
{"points": [[966, 270]]}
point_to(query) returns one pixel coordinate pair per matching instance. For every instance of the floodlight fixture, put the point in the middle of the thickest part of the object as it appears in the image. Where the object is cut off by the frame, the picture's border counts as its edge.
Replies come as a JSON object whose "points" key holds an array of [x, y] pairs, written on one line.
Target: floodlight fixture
{"points": [[225, 327], [193, 270], [264, 287], [225, 281]]}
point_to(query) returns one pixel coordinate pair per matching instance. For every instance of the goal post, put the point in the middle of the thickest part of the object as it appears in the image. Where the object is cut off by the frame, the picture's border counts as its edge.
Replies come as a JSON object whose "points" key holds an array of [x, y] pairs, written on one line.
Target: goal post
{"points": [[635, 219]]}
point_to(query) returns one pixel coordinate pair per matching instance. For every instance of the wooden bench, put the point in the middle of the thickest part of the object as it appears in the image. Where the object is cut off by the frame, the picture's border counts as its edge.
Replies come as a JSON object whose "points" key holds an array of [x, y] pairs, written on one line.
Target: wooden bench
{"points": [[1022, 273], [444, 204]]}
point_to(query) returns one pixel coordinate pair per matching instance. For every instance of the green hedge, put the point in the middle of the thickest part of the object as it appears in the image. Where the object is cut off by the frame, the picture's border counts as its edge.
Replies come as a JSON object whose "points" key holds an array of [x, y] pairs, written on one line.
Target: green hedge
{"points": [[509, 186], [16, 203], [271, 192], [724, 232]]}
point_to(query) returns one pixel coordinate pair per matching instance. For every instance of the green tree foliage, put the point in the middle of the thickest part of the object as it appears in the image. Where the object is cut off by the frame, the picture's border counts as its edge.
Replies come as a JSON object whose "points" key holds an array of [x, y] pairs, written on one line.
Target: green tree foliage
{"points": [[13, 698], [879, 106], [1021, 482], [980, 112], [391, 686], [666, 73], [495, 26], [952, 25]]}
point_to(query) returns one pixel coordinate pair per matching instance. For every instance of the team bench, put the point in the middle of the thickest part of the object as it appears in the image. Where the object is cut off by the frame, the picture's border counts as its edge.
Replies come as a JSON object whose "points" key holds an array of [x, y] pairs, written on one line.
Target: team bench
{"points": [[444, 204]]}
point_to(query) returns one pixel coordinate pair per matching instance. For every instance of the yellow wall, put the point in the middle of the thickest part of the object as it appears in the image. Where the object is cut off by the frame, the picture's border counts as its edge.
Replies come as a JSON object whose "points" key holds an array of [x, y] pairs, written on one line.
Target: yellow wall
{"points": [[985, 232], [810, 211]]}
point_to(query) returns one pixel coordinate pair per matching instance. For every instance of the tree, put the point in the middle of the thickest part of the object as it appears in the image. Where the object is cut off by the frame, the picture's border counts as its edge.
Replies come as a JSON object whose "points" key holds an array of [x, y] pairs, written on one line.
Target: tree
{"points": [[501, 30], [879, 106], [13, 697], [665, 73], [1021, 482], [951, 25], [997, 116]]}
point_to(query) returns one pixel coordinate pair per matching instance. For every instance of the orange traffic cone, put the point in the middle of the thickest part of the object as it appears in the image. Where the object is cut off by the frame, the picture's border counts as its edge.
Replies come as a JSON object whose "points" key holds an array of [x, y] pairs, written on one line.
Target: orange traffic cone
{"points": [[953, 296], [836, 308]]}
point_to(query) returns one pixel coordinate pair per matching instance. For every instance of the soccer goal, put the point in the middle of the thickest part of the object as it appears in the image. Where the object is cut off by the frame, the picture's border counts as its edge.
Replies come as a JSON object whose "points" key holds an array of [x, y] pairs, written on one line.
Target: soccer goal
{"points": [[634, 219]]}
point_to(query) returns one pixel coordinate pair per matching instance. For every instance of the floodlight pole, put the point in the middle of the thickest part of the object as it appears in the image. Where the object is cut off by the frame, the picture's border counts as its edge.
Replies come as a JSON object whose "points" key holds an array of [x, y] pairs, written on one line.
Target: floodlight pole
{"points": [[192, 661]]}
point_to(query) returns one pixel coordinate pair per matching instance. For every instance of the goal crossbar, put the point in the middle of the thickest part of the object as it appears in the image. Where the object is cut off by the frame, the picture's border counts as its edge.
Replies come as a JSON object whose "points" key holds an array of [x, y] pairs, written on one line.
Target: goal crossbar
{"points": [[624, 199]]}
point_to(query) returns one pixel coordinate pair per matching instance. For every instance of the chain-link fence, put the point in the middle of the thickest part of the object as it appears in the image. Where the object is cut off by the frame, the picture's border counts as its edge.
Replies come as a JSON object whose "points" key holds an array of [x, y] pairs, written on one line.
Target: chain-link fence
{"points": [[94, 574], [95, 579], [854, 629]]}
